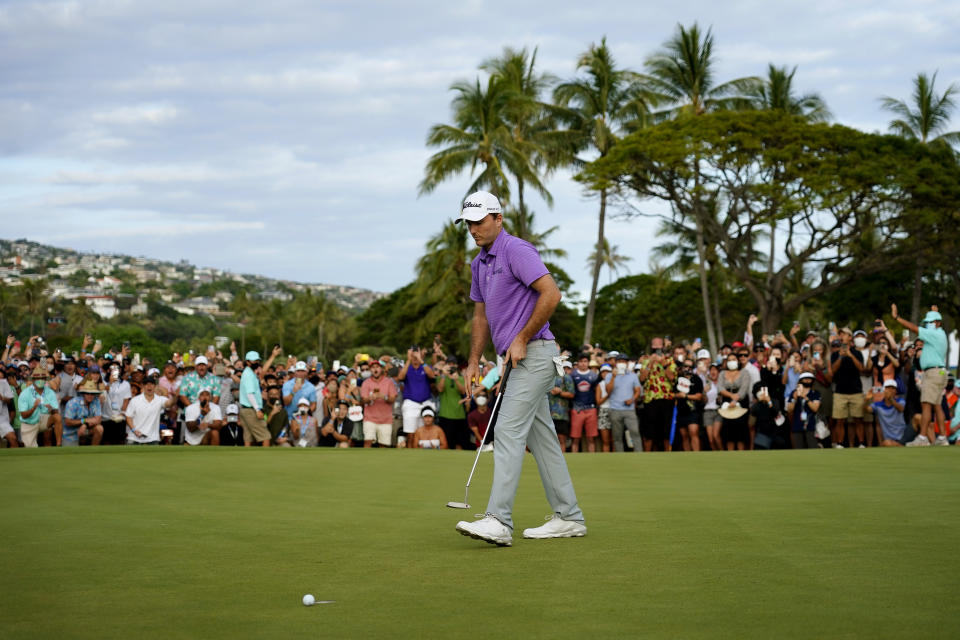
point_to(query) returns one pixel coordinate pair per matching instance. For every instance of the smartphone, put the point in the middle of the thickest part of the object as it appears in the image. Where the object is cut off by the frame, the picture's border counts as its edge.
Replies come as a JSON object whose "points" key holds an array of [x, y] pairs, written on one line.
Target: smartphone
{"points": [[796, 323], [336, 365], [97, 345]]}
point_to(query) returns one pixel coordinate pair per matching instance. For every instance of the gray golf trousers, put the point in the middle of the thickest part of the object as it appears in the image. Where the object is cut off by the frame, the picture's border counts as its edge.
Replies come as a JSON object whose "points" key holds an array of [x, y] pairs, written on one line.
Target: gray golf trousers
{"points": [[524, 421], [625, 419]]}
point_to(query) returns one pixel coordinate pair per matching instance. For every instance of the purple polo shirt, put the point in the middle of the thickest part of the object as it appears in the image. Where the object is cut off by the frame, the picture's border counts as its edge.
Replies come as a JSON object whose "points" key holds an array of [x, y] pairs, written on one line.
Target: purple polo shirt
{"points": [[502, 276]]}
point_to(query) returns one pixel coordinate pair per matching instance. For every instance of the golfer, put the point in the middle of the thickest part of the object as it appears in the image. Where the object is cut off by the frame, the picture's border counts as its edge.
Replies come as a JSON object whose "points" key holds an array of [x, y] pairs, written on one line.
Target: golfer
{"points": [[515, 297]]}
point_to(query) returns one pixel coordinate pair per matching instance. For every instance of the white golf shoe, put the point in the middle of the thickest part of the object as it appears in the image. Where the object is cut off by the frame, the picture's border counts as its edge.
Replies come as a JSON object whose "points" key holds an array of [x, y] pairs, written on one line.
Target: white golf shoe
{"points": [[941, 441], [919, 441], [557, 527], [488, 529]]}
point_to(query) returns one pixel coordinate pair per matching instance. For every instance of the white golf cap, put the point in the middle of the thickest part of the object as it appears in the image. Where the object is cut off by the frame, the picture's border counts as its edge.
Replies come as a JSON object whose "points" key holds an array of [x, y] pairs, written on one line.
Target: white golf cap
{"points": [[232, 410], [303, 401], [201, 360], [478, 206], [300, 366], [806, 375], [703, 354], [890, 383]]}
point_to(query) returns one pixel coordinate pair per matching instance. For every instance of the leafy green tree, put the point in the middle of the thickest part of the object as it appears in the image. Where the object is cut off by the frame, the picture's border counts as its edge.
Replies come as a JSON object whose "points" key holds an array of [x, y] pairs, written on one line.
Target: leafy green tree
{"points": [[841, 199], [608, 257], [598, 106], [79, 278], [34, 301], [81, 318]]}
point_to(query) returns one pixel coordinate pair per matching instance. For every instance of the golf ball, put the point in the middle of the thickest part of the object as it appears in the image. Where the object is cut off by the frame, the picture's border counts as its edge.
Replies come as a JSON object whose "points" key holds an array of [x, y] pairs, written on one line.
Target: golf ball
{"points": [[308, 600]]}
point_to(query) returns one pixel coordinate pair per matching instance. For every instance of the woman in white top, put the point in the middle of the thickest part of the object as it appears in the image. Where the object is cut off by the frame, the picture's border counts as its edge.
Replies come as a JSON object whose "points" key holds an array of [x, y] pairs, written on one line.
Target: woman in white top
{"points": [[430, 435], [711, 419]]}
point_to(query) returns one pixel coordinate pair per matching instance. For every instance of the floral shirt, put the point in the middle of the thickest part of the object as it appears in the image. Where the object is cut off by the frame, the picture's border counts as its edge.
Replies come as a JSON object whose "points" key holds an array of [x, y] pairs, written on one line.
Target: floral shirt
{"points": [[560, 406], [658, 386], [192, 384]]}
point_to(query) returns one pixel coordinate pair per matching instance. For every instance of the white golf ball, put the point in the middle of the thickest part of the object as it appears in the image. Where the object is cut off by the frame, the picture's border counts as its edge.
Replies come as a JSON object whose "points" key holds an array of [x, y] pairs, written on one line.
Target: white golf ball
{"points": [[308, 600]]}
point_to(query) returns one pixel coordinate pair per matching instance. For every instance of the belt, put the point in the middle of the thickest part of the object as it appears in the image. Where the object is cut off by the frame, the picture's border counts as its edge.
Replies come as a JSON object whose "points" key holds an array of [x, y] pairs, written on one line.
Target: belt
{"points": [[538, 341], [928, 368]]}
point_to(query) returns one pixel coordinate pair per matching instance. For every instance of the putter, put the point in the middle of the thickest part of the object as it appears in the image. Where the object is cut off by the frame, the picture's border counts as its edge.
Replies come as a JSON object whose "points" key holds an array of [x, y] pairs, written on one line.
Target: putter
{"points": [[493, 421]]}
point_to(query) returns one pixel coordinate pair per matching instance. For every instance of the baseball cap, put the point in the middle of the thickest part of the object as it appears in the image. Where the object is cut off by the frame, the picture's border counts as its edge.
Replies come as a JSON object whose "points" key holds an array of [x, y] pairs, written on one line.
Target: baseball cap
{"points": [[613, 354], [479, 205], [622, 356], [703, 354], [201, 360], [889, 383], [932, 316], [806, 375], [303, 401], [153, 372], [606, 367], [252, 356], [846, 330], [300, 366], [860, 332], [233, 410]]}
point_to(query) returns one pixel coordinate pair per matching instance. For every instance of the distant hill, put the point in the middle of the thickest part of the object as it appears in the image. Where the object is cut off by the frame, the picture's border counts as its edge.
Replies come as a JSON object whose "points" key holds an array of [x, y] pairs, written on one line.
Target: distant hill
{"points": [[178, 282]]}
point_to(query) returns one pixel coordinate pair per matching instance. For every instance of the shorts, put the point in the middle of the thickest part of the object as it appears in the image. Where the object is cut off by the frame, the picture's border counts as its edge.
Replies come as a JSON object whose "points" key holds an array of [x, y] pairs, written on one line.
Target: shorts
{"points": [[382, 433], [932, 384], [411, 415], [657, 419], [603, 419], [29, 432], [254, 429], [581, 419], [5, 427], [686, 420], [562, 426], [710, 417], [847, 405], [736, 430]]}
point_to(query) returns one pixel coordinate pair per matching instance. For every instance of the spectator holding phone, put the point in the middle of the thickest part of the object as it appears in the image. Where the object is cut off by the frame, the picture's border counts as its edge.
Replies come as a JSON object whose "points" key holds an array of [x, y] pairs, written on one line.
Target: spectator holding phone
{"points": [[416, 376], [378, 393], [889, 414], [39, 411], [846, 367], [802, 407], [203, 420]]}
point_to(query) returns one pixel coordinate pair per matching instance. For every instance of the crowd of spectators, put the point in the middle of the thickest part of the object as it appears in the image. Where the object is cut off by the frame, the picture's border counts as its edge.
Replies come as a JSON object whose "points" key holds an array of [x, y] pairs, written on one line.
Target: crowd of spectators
{"points": [[799, 390]]}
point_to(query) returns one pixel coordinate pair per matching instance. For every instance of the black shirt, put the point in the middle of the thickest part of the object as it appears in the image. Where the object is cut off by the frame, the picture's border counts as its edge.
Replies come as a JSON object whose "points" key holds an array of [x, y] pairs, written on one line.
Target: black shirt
{"points": [[847, 377], [231, 435], [343, 427]]}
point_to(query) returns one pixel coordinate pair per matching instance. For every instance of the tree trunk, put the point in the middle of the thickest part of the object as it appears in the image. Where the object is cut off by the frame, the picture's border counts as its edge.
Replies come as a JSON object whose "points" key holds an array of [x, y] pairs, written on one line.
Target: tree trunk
{"points": [[588, 325], [320, 354], [718, 320], [704, 287], [522, 218], [915, 303]]}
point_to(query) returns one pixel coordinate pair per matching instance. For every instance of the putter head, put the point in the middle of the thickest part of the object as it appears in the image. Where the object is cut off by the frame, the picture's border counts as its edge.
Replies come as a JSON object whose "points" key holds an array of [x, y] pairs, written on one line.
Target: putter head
{"points": [[458, 505]]}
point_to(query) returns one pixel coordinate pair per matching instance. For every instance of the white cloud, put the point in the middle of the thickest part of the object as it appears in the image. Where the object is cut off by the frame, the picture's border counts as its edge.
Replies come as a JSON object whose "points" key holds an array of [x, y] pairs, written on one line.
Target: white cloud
{"points": [[140, 114]]}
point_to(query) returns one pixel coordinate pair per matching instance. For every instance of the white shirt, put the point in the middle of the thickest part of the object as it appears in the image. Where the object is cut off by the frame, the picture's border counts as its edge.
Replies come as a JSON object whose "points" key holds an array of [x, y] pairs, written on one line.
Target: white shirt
{"points": [[146, 418], [6, 394], [118, 392], [191, 413]]}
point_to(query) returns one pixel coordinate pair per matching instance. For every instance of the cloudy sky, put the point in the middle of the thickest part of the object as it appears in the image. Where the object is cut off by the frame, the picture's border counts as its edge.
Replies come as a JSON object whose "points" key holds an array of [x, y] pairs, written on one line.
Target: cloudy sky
{"points": [[287, 138]]}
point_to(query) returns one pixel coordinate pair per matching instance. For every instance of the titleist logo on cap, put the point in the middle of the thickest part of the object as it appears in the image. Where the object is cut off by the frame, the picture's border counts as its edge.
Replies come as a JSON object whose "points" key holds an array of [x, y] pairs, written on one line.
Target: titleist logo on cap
{"points": [[472, 204]]}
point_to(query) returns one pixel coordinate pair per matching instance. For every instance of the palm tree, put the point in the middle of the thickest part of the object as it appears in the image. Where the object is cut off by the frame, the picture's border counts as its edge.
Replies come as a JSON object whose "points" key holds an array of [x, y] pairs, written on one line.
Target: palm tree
{"points": [[608, 257], [34, 300], [81, 318], [598, 107], [480, 135], [681, 73], [441, 290], [923, 119], [927, 115], [532, 123], [775, 93]]}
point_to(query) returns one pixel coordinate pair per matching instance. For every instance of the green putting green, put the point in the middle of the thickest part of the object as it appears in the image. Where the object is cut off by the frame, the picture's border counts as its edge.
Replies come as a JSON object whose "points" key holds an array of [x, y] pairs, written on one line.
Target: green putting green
{"points": [[208, 543]]}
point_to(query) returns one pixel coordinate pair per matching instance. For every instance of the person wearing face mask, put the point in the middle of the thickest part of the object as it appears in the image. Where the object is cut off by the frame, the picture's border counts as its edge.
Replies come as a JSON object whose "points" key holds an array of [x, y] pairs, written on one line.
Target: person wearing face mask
{"points": [[933, 363], [862, 348], [337, 429], [231, 435], [690, 401], [251, 404], [711, 419], [303, 426], [846, 366], [39, 410], [734, 396], [479, 418], [378, 393], [802, 407], [298, 388]]}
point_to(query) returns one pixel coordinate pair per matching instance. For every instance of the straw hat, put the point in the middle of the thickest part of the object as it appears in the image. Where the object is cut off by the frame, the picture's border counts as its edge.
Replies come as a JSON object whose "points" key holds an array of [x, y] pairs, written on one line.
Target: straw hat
{"points": [[731, 411], [88, 386], [39, 372]]}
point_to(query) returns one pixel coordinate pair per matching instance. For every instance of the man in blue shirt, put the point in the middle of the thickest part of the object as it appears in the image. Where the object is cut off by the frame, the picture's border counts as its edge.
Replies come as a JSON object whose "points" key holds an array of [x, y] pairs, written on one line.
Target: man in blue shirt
{"points": [[39, 409], [583, 416], [251, 404], [298, 388], [889, 413], [933, 364], [82, 416], [624, 389]]}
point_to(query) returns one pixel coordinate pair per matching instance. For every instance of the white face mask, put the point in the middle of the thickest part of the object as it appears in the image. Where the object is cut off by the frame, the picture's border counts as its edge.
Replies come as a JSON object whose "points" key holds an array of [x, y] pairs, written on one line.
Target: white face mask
{"points": [[621, 368], [365, 374], [680, 359], [732, 365], [302, 411], [481, 401], [859, 342]]}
